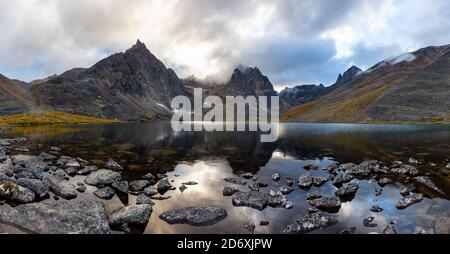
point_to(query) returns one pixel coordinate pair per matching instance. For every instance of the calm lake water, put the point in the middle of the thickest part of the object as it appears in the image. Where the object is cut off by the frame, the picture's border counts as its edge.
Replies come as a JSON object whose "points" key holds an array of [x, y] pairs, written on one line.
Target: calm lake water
{"points": [[208, 158]]}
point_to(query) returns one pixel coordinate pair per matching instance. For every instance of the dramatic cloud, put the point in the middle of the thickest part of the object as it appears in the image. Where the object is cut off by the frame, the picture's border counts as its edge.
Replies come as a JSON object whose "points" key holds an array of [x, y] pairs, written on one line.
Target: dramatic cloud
{"points": [[291, 41]]}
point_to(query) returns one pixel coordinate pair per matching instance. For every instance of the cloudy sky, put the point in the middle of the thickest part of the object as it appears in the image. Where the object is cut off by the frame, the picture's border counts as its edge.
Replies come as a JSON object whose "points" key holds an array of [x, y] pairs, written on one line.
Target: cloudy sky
{"points": [[291, 41]]}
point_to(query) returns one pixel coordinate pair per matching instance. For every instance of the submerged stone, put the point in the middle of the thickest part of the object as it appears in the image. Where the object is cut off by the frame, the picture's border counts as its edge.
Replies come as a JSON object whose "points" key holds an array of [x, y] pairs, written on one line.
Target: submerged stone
{"points": [[194, 216]]}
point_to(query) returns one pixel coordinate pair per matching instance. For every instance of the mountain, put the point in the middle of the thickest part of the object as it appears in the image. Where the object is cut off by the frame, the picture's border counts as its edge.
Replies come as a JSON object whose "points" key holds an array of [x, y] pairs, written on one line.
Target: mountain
{"points": [[412, 87], [291, 97], [247, 81], [133, 85], [14, 97]]}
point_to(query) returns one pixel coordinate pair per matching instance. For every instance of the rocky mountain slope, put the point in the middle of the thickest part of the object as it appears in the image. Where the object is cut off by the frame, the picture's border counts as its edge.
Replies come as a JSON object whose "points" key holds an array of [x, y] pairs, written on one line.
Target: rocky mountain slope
{"points": [[133, 85], [413, 87], [292, 97], [14, 97]]}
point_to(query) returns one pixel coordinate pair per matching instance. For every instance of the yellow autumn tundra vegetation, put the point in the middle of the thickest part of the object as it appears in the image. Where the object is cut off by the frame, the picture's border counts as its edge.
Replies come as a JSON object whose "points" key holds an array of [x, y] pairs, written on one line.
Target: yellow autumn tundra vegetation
{"points": [[51, 118]]}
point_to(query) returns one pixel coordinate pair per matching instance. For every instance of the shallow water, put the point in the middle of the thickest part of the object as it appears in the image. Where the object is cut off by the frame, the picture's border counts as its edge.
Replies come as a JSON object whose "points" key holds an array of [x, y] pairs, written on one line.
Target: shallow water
{"points": [[207, 158]]}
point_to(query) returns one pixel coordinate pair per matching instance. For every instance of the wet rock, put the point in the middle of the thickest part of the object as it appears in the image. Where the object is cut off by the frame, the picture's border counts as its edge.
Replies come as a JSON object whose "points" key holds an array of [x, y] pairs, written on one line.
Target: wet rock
{"points": [[55, 149], [309, 223], [327, 204], [312, 195], [131, 214], [102, 177], [341, 178], [149, 177], [229, 191], [139, 185], [286, 190], [81, 188], [46, 157], [422, 231], [448, 166], [71, 171], [389, 230], [378, 191], [405, 192], [22, 149], [182, 188], [312, 210], [39, 187], [30, 164], [407, 201], [290, 182], [368, 222], [144, 199], [105, 193], [432, 164], [253, 186], [151, 191], [161, 176], [384, 181], [405, 170], [311, 167], [63, 160], [234, 180], [376, 209], [121, 186], [190, 183], [319, 181], [59, 217], [15, 193], [87, 170], [251, 199], [278, 200], [348, 231], [276, 177], [426, 181], [73, 164], [250, 227], [305, 181], [347, 191], [61, 174], [261, 183], [3, 156], [194, 216], [112, 165], [442, 225], [163, 186], [363, 169], [346, 166], [289, 205], [247, 176], [413, 161], [61, 188]]}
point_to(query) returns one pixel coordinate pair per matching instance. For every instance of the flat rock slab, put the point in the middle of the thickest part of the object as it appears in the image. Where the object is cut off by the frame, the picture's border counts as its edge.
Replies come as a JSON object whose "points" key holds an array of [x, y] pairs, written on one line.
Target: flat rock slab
{"points": [[194, 216], [253, 199], [131, 214], [59, 217]]}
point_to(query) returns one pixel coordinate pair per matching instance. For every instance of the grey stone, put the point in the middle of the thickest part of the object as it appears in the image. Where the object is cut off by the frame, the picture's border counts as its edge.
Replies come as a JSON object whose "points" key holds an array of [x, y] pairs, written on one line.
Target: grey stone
{"points": [[105, 193], [405, 169], [40, 188], [328, 204], [407, 201], [194, 216], [131, 214], [309, 223], [139, 185], [17, 194], [229, 191], [163, 185], [305, 181], [59, 217], [251, 199], [32, 164], [86, 170], [347, 191], [121, 186], [61, 188], [102, 177], [234, 180], [144, 199], [111, 164]]}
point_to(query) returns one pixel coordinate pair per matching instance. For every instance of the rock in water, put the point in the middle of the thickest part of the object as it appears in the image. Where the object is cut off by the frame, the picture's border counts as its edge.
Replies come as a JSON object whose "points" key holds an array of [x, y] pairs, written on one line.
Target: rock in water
{"points": [[131, 214], [234, 180], [407, 201], [425, 180], [319, 181], [368, 222], [347, 191], [110, 164], [102, 177], [305, 181], [253, 199], [121, 186], [87, 170], [144, 199], [405, 170], [389, 230], [229, 191], [39, 187], [311, 167], [376, 209], [276, 177], [139, 185], [194, 216], [163, 185], [62, 188], [31, 164], [309, 223], [327, 204], [105, 193], [59, 217]]}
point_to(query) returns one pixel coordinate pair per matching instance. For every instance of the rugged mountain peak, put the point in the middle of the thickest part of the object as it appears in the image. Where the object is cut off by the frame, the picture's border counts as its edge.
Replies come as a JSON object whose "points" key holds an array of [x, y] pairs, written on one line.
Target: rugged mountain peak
{"points": [[348, 76], [249, 81]]}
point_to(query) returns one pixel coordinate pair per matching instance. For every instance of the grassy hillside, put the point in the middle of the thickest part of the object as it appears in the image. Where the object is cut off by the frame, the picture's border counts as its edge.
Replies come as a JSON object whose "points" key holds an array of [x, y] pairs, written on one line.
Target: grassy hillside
{"points": [[50, 118]]}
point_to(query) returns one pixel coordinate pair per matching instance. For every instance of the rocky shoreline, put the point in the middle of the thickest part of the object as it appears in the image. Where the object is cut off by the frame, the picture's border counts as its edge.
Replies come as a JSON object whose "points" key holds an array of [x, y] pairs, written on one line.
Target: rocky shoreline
{"points": [[55, 193]]}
